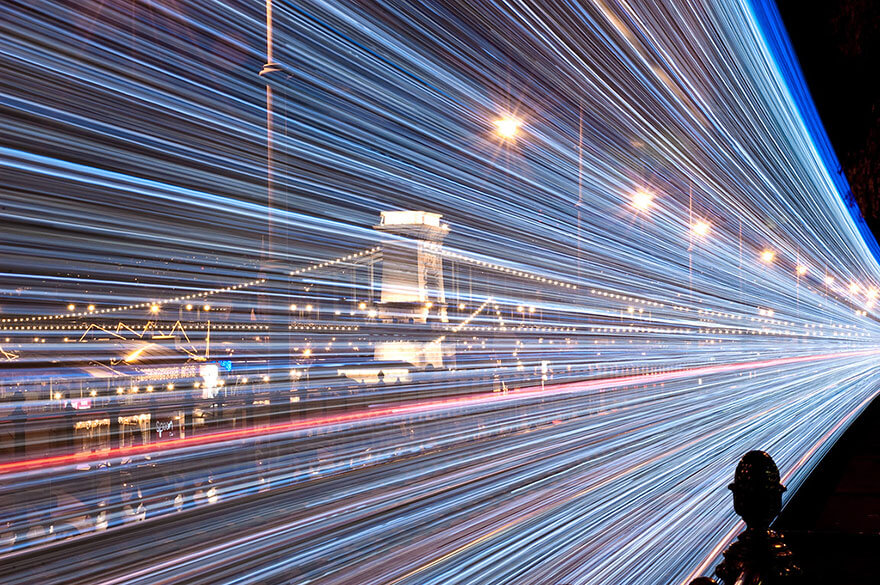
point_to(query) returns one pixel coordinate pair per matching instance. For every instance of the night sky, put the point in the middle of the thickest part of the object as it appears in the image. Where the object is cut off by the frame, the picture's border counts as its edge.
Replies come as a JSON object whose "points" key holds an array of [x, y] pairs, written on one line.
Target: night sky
{"points": [[838, 44]]}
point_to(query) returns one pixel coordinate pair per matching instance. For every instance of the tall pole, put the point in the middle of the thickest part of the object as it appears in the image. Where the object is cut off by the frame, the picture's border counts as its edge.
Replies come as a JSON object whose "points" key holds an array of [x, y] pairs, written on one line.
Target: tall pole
{"points": [[269, 68], [268, 251], [580, 186]]}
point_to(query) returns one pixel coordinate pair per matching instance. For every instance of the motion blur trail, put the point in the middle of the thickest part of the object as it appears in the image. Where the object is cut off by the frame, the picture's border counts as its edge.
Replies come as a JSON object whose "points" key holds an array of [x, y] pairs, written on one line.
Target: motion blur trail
{"points": [[447, 292]]}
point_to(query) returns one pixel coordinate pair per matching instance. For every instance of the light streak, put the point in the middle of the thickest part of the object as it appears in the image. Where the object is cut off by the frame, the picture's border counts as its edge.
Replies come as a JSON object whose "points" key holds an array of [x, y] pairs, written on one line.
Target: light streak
{"points": [[552, 385]]}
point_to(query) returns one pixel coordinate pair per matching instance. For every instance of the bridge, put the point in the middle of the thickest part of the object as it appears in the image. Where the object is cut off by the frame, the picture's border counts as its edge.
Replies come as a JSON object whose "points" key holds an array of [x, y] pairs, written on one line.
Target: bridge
{"points": [[525, 283]]}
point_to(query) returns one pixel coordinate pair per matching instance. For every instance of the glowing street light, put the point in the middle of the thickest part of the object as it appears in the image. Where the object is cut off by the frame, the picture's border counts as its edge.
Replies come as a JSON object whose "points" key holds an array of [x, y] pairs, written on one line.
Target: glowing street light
{"points": [[642, 200], [801, 270], [829, 280], [701, 228], [507, 127], [768, 256], [71, 307]]}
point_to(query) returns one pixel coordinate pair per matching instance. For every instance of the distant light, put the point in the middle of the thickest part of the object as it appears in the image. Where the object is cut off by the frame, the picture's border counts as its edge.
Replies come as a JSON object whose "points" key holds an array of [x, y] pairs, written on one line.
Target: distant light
{"points": [[642, 200], [829, 280], [701, 228], [120, 390], [768, 256], [134, 389], [58, 396], [521, 309], [871, 293], [93, 393], [531, 309], [372, 313], [507, 127], [362, 306], [154, 309], [91, 307], [461, 306], [854, 288], [801, 270], [265, 378], [71, 307], [308, 307], [307, 352], [149, 388], [189, 307], [206, 308], [170, 386]]}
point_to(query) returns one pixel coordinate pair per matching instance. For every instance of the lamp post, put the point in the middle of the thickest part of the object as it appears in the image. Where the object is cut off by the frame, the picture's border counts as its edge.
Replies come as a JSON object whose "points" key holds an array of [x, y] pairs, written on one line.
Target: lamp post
{"points": [[269, 246]]}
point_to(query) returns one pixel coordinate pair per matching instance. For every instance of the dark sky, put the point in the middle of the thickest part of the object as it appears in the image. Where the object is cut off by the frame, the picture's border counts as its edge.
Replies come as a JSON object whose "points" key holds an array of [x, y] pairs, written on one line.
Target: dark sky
{"points": [[838, 45]]}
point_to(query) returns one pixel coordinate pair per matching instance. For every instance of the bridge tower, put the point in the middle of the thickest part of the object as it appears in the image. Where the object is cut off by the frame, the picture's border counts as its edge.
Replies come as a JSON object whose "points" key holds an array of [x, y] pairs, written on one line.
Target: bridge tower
{"points": [[412, 289]]}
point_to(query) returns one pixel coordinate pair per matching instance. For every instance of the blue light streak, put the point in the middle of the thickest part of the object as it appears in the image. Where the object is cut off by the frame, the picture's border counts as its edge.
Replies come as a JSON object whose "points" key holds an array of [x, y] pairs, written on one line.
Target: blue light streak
{"points": [[651, 269]]}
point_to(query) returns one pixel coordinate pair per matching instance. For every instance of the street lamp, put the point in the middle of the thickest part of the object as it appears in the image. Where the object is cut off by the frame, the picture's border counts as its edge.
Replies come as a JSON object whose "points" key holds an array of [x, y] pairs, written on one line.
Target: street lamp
{"points": [[507, 127], [701, 228], [642, 200], [768, 256]]}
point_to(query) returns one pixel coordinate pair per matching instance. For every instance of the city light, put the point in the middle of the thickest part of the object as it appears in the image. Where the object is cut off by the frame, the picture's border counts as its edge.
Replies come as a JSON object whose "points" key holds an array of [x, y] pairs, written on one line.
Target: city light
{"points": [[768, 256], [801, 270]]}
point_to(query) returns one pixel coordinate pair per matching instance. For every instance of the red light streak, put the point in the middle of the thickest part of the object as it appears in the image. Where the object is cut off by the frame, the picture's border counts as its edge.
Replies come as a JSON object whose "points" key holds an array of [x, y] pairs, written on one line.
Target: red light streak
{"points": [[46, 463]]}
